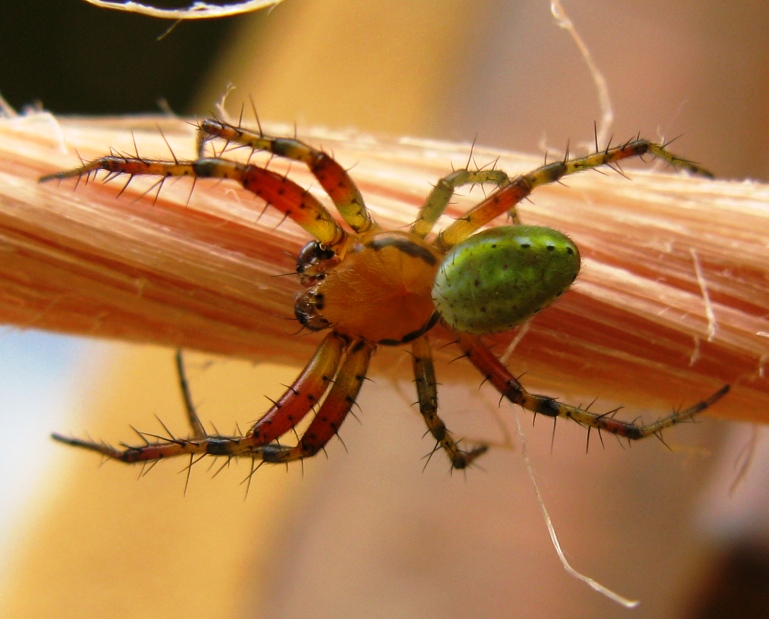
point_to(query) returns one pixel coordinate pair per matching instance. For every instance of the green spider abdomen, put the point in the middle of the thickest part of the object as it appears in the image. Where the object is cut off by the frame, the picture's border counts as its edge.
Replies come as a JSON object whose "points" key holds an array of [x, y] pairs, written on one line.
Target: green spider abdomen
{"points": [[498, 278]]}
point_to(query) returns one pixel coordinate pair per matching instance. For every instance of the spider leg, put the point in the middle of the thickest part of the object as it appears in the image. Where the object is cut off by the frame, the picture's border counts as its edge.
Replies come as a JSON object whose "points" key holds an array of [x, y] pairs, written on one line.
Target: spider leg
{"points": [[287, 412], [499, 376], [427, 391], [333, 411], [279, 192], [306, 392], [444, 189], [331, 176], [508, 196], [198, 431]]}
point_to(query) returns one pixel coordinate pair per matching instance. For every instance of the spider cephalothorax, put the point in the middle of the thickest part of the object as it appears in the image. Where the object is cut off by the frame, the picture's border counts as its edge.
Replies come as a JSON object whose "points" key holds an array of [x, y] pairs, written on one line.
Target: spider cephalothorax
{"points": [[401, 284]]}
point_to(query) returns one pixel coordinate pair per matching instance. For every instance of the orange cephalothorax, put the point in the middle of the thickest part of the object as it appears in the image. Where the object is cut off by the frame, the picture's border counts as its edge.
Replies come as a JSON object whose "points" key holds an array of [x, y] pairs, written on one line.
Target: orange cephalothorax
{"points": [[391, 275]]}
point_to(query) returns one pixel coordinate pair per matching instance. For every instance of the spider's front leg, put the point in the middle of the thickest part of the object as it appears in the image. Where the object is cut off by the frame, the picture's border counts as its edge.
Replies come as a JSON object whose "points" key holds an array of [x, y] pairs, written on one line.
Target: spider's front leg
{"points": [[499, 376], [332, 412], [330, 174], [278, 191], [427, 392], [260, 442]]}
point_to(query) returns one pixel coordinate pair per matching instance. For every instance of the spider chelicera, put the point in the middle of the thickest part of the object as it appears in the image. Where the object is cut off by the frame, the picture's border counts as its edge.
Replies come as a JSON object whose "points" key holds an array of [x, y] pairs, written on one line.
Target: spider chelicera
{"points": [[401, 284]]}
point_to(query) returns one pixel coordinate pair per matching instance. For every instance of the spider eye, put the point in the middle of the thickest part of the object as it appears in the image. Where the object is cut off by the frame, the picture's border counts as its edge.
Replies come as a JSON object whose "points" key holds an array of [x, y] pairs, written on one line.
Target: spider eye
{"points": [[498, 278]]}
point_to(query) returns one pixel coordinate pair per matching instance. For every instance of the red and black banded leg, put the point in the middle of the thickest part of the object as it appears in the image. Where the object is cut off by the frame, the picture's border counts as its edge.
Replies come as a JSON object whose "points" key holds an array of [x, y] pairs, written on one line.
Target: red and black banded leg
{"points": [[305, 392], [505, 199], [331, 176], [332, 412], [278, 191], [499, 376]]}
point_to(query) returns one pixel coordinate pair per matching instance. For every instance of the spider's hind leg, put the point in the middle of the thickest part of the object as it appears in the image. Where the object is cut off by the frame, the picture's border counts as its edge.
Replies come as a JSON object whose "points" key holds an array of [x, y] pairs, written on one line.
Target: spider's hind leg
{"points": [[512, 192], [499, 376], [427, 391]]}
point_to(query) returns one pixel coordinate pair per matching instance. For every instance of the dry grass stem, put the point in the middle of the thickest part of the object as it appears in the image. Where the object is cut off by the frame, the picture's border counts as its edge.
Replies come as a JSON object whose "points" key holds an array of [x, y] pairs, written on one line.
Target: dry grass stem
{"points": [[671, 302]]}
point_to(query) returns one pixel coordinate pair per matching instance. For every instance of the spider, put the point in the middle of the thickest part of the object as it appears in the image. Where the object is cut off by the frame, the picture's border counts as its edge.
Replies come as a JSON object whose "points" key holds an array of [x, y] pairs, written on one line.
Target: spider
{"points": [[369, 287]]}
